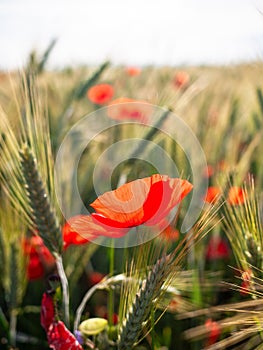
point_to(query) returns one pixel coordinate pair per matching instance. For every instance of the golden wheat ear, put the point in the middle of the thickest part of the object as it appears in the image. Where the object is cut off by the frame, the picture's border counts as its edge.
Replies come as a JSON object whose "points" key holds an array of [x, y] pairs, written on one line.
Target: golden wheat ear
{"points": [[43, 215]]}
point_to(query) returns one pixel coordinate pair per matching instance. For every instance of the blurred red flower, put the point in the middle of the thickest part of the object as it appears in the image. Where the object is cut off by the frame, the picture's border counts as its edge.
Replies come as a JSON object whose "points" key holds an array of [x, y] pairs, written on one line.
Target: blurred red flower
{"points": [[217, 248], [100, 94], [101, 311], [95, 277], [125, 108], [40, 260], [169, 233], [236, 195], [214, 331], [181, 79], [144, 201], [212, 194], [133, 71], [47, 311], [115, 318]]}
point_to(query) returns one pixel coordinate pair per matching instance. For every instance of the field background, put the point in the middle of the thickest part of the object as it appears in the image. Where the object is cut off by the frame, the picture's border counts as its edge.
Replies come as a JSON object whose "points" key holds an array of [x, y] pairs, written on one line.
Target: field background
{"points": [[223, 105]]}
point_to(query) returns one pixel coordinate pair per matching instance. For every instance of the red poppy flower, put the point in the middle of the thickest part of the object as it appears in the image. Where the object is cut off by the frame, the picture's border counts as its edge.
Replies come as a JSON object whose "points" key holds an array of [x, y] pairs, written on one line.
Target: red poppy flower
{"points": [[217, 249], [115, 318], [168, 232], [181, 79], [60, 338], [236, 195], [95, 277], [124, 108], [144, 201], [81, 229], [214, 331], [100, 94], [47, 311], [133, 71], [40, 261], [212, 194]]}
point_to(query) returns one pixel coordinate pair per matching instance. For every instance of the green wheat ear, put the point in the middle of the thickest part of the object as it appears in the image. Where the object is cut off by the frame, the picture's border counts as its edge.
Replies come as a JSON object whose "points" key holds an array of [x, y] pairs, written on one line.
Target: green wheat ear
{"points": [[143, 303], [43, 215]]}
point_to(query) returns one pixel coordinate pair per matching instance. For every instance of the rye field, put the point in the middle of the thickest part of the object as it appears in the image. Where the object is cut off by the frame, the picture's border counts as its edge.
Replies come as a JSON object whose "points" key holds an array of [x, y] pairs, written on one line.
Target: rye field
{"points": [[131, 207]]}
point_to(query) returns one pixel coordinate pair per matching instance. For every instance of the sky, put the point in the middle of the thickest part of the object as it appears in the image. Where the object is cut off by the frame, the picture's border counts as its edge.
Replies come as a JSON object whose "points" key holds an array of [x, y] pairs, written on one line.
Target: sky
{"points": [[132, 32]]}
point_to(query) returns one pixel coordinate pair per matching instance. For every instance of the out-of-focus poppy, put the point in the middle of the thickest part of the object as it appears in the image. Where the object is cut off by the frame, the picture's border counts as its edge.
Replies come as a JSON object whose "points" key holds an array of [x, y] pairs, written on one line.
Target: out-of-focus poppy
{"points": [[217, 249], [95, 277], [40, 260], [115, 318], [168, 232], [213, 332], [236, 195], [102, 312], [133, 71], [181, 79], [212, 194], [124, 108], [100, 94], [144, 201]]}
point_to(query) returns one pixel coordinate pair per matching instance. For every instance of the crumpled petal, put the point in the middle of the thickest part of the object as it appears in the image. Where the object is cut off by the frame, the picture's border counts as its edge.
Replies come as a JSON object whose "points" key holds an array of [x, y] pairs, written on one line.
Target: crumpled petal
{"points": [[60, 338]]}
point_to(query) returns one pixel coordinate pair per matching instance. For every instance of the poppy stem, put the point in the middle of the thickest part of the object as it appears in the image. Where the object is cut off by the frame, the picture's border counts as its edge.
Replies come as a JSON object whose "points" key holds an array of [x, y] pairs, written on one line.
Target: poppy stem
{"points": [[111, 293], [65, 289]]}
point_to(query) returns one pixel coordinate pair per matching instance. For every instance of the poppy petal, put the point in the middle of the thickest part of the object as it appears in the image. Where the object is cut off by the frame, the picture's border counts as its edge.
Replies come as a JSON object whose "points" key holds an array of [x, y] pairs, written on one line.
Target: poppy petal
{"points": [[60, 338], [146, 200], [163, 197], [88, 228], [124, 108], [124, 205], [71, 234]]}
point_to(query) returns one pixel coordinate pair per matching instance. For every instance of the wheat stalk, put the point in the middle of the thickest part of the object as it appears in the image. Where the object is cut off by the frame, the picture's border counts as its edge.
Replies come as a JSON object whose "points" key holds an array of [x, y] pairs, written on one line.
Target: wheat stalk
{"points": [[43, 215], [141, 307]]}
